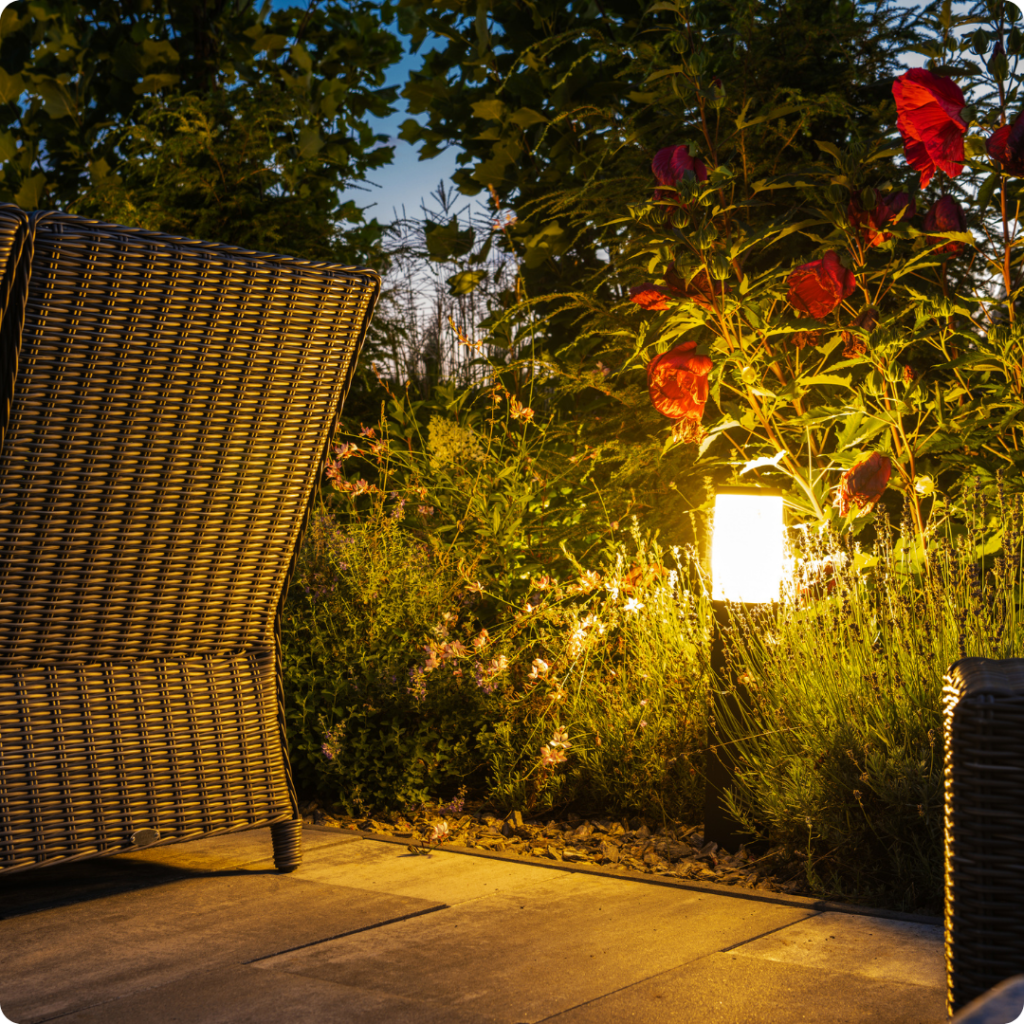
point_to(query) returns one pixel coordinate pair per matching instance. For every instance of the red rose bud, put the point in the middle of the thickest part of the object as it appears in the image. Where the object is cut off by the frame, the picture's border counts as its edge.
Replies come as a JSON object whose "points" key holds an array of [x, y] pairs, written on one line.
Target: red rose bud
{"points": [[701, 290], [816, 288], [650, 296], [670, 164], [945, 215], [677, 381], [870, 223], [804, 338], [1006, 146], [929, 117], [863, 483], [853, 344]]}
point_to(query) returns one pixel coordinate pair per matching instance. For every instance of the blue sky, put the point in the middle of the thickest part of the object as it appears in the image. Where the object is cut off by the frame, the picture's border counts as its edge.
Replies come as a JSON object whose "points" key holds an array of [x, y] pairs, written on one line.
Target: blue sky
{"points": [[407, 179]]}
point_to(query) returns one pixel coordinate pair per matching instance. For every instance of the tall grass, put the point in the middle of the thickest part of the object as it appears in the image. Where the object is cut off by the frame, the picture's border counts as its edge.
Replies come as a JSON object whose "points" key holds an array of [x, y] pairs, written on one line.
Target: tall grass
{"points": [[841, 748]]}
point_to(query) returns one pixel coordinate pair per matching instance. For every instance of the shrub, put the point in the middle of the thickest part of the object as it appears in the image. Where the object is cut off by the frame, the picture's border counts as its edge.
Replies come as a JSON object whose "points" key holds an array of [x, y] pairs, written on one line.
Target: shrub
{"points": [[607, 707], [381, 711]]}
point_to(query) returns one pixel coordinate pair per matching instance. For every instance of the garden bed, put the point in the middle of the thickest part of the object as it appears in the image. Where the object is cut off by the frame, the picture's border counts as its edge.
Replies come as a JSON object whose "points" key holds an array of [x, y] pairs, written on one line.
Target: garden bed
{"points": [[669, 851]]}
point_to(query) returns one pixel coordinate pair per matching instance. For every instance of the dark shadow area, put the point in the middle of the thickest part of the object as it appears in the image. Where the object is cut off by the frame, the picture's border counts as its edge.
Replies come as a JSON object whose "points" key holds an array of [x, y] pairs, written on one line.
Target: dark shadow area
{"points": [[63, 885]]}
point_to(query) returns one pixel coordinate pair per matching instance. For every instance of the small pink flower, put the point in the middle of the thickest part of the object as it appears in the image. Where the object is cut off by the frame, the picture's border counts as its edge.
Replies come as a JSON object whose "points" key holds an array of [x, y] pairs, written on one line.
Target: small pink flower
{"points": [[604, 369], [346, 451], [439, 832], [481, 639], [455, 649], [361, 487], [560, 739], [425, 510], [539, 669], [519, 411], [643, 724], [549, 757], [367, 431], [432, 661]]}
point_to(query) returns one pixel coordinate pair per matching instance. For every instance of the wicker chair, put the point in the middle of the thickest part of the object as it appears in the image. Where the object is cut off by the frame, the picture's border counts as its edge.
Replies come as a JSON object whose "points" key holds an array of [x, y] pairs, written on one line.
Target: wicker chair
{"points": [[165, 408], [984, 826]]}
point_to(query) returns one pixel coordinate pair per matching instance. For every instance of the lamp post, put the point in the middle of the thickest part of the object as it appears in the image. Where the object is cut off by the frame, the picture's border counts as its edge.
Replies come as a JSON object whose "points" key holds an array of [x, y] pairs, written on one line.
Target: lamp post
{"points": [[747, 551]]}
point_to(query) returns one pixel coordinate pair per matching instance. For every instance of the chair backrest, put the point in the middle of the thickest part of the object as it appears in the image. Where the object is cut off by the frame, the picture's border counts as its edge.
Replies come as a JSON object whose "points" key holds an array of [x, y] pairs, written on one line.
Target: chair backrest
{"points": [[165, 409]]}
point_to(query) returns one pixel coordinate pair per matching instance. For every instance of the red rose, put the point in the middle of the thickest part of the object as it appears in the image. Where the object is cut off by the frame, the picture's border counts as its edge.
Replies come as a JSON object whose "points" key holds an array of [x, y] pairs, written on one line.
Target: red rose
{"points": [[945, 215], [863, 483], [677, 381], [650, 296], [928, 116], [671, 163], [816, 288], [1006, 146], [871, 222]]}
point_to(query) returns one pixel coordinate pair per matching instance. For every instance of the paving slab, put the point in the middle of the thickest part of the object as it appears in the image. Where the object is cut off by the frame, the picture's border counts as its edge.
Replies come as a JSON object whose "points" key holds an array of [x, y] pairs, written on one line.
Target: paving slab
{"points": [[366, 932], [524, 956], [79, 954], [724, 988], [243, 995], [438, 876], [897, 951]]}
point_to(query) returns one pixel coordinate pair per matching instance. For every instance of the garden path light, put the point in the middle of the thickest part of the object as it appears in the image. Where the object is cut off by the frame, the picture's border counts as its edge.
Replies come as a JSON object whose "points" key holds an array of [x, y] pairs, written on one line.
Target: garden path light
{"points": [[747, 546], [747, 565]]}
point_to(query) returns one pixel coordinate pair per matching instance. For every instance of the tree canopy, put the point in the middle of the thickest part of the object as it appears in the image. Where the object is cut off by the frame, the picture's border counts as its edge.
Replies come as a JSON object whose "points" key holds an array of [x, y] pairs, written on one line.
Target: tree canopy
{"points": [[212, 118]]}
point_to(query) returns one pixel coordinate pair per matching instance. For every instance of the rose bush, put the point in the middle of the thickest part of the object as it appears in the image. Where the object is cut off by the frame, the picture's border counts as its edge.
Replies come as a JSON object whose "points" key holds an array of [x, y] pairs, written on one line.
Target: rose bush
{"points": [[876, 359]]}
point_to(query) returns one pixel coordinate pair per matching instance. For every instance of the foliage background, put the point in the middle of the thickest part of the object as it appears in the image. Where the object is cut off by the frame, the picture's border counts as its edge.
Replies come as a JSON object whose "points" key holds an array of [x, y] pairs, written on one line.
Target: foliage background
{"points": [[500, 475]]}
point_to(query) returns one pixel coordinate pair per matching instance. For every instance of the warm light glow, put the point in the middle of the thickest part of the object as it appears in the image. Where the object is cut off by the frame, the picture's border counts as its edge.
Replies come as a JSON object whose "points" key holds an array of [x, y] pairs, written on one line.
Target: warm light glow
{"points": [[747, 547]]}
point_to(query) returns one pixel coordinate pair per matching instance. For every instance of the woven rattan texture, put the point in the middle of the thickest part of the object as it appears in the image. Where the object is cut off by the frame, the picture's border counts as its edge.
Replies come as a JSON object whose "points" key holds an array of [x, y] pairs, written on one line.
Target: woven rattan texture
{"points": [[168, 410], [94, 753], [984, 826], [161, 439]]}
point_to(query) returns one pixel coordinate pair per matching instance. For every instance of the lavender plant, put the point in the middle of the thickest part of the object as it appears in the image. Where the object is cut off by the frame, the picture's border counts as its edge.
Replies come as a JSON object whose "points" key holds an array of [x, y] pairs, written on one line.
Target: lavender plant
{"points": [[841, 750]]}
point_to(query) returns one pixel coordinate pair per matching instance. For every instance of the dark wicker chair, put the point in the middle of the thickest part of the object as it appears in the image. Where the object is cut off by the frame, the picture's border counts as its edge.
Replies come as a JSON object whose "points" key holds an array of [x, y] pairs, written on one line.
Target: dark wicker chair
{"points": [[984, 826], [165, 410]]}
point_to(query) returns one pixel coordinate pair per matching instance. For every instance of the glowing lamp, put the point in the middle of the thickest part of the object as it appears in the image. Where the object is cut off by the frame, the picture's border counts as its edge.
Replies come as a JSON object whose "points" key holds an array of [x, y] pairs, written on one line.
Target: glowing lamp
{"points": [[747, 545]]}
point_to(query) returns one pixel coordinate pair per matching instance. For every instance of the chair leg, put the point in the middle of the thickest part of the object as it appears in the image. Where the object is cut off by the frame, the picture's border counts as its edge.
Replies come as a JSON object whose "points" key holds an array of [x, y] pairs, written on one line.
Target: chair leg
{"points": [[287, 839]]}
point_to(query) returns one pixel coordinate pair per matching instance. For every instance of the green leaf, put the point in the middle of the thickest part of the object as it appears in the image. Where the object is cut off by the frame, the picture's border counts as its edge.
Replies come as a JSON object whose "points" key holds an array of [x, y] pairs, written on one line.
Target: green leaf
{"points": [[56, 101], [302, 58], [741, 123], [11, 86], [10, 21], [270, 41], [883, 154], [31, 192], [985, 193], [8, 147], [489, 110], [824, 378], [525, 117], [152, 83], [310, 142], [464, 282], [831, 149], [446, 241]]}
